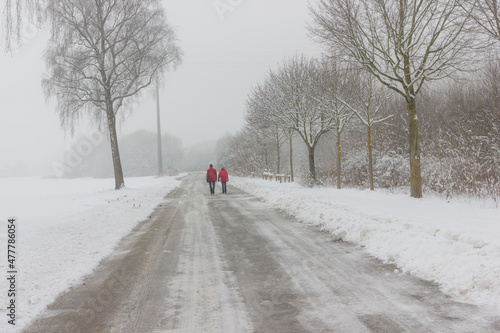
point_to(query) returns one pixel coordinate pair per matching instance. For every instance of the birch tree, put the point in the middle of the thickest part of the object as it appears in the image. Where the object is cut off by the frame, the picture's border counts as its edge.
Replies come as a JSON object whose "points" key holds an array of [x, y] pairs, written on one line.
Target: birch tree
{"points": [[16, 14], [101, 54], [403, 43]]}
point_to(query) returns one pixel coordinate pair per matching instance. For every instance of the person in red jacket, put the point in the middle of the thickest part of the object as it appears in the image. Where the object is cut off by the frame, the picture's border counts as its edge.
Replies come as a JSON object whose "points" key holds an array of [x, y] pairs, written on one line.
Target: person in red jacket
{"points": [[223, 178], [211, 178]]}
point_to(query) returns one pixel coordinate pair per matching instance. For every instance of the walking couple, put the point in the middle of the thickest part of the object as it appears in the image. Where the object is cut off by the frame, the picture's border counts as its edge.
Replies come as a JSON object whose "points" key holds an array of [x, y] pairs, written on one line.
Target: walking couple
{"points": [[212, 178]]}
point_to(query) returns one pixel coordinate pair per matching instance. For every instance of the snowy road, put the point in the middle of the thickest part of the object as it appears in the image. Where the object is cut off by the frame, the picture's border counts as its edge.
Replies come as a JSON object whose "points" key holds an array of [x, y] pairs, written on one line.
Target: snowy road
{"points": [[228, 263]]}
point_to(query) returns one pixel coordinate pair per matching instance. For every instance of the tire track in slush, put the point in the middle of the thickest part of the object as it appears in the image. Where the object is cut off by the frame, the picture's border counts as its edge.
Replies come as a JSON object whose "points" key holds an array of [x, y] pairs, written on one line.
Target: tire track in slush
{"points": [[205, 297]]}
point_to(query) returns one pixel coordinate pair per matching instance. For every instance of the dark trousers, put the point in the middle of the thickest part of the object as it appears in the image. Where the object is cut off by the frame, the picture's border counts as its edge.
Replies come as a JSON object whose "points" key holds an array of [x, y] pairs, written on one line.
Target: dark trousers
{"points": [[212, 187], [224, 189]]}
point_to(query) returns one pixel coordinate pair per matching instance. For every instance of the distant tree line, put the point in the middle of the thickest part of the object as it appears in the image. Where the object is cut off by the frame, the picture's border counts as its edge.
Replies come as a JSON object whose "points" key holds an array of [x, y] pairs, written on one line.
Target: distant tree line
{"points": [[138, 155], [388, 105]]}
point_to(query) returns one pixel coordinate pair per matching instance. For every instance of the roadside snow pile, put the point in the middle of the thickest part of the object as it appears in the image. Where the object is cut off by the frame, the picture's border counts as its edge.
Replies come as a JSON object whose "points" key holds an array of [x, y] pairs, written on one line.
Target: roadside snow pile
{"points": [[65, 227], [456, 245]]}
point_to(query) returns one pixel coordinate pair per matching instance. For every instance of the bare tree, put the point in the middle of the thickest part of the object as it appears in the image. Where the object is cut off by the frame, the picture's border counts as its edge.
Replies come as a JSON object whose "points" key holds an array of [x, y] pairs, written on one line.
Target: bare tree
{"points": [[333, 83], [16, 13], [290, 133], [366, 104], [403, 43], [485, 13], [294, 83], [261, 115], [101, 54], [244, 155]]}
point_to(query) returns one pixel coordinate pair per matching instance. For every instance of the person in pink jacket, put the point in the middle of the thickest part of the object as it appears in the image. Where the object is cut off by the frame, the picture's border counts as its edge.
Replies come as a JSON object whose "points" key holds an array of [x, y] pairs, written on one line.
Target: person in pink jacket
{"points": [[223, 178], [211, 178]]}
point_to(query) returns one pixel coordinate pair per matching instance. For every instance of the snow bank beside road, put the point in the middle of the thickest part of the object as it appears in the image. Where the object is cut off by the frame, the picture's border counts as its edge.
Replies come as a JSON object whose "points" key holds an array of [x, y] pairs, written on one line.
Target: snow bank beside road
{"points": [[454, 244], [65, 227]]}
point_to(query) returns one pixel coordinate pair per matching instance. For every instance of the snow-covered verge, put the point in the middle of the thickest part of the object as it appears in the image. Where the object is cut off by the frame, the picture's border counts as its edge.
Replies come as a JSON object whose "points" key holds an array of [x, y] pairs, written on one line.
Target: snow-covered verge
{"points": [[456, 244], [65, 227]]}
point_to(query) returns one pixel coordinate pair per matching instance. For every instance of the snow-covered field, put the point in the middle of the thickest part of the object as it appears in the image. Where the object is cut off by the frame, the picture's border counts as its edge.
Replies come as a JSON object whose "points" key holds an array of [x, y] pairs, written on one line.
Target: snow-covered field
{"points": [[455, 244], [65, 227]]}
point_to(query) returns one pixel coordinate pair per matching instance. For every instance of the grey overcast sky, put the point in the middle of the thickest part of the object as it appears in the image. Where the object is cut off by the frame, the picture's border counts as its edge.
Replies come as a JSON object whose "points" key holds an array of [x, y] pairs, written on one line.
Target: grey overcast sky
{"points": [[228, 45]]}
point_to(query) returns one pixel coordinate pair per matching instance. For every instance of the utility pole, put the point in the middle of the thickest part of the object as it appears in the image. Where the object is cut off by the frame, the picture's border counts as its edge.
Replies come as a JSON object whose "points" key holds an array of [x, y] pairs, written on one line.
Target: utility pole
{"points": [[160, 162]]}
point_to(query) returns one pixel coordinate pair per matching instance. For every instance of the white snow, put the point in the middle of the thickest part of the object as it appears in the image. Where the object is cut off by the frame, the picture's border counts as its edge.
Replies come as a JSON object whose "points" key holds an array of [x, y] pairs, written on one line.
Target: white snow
{"points": [[456, 245], [65, 227]]}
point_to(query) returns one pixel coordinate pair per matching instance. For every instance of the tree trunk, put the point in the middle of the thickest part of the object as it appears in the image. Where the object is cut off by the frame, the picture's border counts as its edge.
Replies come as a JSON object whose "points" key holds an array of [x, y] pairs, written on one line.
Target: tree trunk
{"points": [[370, 161], [113, 139], [416, 176], [158, 130], [266, 160], [339, 170], [278, 156], [441, 165], [312, 167], [291, 159]]}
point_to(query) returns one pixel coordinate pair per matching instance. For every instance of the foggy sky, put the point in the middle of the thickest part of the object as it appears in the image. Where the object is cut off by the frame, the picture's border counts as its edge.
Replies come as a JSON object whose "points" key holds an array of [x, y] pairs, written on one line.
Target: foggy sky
{"points": [[225, 53]]}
